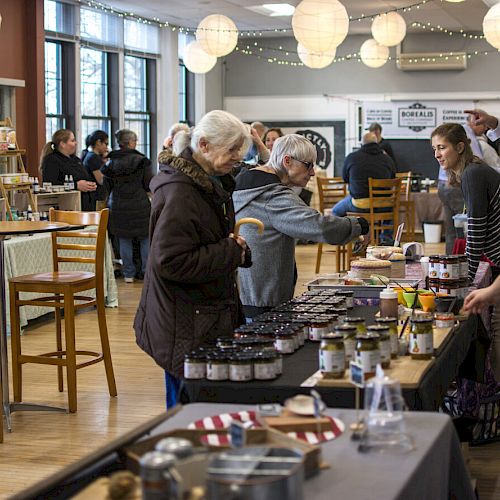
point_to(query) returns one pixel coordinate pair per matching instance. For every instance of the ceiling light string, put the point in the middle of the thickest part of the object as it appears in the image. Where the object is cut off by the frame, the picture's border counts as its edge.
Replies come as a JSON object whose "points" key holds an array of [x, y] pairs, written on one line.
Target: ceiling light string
{"points": [[438, 28]]}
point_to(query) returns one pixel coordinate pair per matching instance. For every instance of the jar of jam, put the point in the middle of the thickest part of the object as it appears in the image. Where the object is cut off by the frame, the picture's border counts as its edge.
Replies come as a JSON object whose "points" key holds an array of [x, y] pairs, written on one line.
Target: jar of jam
{"points": [[349, 333], [195, 366], [341, 313], [451, 288], [421, 338], [284, 342], [320, 325], [449, 268], [434, 266], [434, 285], [217, 366], [463, 267], [384, 343], [392, 323], [264, 366], [241, 367], [331, 355], [445, 320], [358, 322], [278, 363], [348, 295], [367, 354]]}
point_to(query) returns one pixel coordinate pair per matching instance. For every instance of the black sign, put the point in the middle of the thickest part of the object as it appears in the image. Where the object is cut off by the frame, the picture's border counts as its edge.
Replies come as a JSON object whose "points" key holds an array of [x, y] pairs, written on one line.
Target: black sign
{"points": [[323, 149]]}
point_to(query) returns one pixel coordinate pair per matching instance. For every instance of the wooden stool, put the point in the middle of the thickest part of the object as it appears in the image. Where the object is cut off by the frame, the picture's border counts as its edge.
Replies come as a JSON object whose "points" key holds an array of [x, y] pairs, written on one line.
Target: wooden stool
{"points": [[63, 287]]}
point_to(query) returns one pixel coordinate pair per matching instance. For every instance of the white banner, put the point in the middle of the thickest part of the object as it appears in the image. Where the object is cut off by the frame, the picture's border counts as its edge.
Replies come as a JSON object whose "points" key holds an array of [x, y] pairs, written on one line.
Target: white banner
{"points": [[413, 120]]}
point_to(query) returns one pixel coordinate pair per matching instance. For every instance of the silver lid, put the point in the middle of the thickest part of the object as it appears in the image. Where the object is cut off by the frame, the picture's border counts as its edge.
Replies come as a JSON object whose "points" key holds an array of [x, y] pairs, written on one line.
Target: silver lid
{"points": [[180, 447], [157, 460]]}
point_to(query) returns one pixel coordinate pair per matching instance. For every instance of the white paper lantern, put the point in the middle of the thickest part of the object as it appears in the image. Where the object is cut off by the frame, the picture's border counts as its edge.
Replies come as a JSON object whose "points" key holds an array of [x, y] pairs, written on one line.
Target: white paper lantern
{"points": [[373, 54], [217, 35], [389, 29], [491, 26], [196, 59], [315, 60], [320, 25]]}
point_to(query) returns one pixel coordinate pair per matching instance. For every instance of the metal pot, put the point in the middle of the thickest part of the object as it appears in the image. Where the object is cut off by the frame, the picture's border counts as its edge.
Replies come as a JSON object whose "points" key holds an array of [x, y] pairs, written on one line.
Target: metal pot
{"points": [[259, 473]]}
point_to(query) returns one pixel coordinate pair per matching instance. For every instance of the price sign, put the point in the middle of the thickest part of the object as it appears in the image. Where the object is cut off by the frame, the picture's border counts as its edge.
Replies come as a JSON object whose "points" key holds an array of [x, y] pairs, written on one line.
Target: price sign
{"points": [[356, 375]]}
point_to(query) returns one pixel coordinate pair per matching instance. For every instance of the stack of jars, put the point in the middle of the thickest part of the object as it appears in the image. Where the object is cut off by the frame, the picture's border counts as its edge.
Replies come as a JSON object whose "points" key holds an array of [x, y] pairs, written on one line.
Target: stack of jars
{"points": [[448, 274]]}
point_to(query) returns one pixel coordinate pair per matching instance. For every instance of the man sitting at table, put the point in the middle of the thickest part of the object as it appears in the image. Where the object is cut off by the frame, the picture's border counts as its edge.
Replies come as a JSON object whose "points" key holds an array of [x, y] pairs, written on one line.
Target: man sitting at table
{"points": [[359, 166]]}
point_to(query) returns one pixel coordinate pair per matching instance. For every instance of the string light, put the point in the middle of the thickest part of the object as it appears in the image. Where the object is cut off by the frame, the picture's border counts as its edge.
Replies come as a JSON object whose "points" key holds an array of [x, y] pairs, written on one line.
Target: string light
{"points": [[460, 33]]}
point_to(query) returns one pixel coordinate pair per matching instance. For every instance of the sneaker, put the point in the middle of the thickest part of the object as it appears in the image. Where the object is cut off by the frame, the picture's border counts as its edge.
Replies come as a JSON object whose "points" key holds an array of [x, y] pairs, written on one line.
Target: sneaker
{"points": [[129, 280]]}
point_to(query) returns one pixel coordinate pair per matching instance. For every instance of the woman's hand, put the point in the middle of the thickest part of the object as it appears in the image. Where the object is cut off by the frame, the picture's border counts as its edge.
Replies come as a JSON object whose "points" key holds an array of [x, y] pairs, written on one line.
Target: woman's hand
{"points": [[478, 300], [242, 243], [86, 186]]}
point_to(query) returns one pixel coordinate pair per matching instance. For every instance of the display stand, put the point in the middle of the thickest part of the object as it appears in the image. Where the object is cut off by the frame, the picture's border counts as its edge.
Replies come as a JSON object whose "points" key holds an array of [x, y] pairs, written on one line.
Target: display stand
{"points": [[24, 187]]}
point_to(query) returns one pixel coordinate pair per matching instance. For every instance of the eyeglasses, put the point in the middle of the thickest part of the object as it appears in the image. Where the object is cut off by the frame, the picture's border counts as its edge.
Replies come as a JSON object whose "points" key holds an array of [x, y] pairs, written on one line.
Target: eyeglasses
{"points": [[308, 164]]}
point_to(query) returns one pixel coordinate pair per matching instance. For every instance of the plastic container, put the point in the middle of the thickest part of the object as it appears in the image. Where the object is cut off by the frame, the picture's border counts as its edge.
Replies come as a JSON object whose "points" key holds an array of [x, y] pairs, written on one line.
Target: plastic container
{"points": [[432, 231], [388, 303]]}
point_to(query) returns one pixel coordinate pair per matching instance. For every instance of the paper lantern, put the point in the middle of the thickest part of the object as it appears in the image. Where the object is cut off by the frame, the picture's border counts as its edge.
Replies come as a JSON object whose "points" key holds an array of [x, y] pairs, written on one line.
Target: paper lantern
{"points": [[320, 25], [389, 29], [491, 26], [315, 60], [197, 60], [217, 35], [373, 54]]}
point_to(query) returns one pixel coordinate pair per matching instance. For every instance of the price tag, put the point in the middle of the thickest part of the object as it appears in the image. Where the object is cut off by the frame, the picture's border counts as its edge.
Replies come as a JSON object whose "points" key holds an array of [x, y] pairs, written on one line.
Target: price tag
{"points": [[356, 375]]}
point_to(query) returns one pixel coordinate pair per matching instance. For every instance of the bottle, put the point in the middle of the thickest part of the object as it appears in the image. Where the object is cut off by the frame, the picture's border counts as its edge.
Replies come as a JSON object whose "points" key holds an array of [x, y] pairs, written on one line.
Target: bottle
{"points": [[66, 183], [71, 183], [29, 213], [388, 303], [36, 186]]}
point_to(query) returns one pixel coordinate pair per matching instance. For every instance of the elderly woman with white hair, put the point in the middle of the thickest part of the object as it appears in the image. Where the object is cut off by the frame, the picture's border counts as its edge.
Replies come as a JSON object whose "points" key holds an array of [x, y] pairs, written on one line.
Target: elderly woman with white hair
{"points": [[168, 142], [266, 193], [190, 296]]}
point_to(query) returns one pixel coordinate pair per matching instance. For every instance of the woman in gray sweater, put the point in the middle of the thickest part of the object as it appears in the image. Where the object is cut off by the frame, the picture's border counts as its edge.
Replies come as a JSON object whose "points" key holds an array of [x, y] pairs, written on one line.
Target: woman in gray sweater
{"points": [[265, 193]]}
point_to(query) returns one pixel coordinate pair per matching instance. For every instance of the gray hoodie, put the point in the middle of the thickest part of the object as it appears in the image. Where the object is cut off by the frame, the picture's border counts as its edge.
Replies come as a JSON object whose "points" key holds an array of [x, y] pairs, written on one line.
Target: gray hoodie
{"points": [[270, 281]]}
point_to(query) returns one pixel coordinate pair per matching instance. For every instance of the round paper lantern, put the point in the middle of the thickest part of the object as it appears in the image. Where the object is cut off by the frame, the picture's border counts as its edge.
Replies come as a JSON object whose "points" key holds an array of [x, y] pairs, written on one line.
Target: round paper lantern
{"points": [[491, 26], [389, 29], [197, 60], [315, 60], [320, 25], [373, 54], [217, 35]]}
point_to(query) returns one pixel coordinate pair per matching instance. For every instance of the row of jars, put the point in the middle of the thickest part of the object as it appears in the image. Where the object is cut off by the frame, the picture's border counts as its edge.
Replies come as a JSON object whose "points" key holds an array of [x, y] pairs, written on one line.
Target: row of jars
{"points": [[371, 345], [448, 267], [455, 288]]}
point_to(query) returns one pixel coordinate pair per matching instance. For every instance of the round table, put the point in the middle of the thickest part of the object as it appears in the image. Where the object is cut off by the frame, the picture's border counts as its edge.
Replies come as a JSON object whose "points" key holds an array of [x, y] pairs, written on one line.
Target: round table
{"points": [[7, 229]]}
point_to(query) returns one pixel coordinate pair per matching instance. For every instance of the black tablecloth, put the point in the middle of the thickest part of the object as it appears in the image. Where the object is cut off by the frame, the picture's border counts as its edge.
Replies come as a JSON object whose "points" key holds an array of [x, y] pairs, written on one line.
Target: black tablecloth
{"points": [[302, 364]]}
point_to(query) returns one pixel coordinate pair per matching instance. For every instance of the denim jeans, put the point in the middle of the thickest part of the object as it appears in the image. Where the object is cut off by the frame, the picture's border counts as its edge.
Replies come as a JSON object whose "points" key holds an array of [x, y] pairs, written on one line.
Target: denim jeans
{"points": [[126, 253], [345, 205], [172, 387]]}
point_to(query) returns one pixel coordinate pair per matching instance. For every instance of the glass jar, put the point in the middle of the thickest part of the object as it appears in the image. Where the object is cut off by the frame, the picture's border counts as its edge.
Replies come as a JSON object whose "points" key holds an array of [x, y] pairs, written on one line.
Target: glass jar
{"points": [[217, 366], [284, 342], [367, 354], [445, 320], [195, 366], [358, 322], [241, 367], [264, 366], [392, 323], [341, 313], [319, 326], [449, 268], [278, 363], [332, 355], [421, 338], [349, 333], [451, 288], [348, 296], [463, 267], [384, 343], [225, 342], [434, 267]]}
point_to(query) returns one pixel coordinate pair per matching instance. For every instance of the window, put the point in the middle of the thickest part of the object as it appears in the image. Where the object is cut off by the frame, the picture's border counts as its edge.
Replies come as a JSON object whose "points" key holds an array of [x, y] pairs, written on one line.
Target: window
{"points": [[100, 27], [59, 17], [55, 118], [94, 92], [137, 102], [141, 37], [183, 115]]}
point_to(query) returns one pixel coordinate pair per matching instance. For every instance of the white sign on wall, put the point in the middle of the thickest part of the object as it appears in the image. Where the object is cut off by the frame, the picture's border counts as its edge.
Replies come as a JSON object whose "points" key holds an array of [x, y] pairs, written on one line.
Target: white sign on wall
{"points": [[411, 119]]}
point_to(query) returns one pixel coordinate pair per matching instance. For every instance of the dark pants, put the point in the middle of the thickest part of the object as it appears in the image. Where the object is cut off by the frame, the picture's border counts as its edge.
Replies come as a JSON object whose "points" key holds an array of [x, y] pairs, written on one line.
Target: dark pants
{"points": [[453, 202], [172, 386]]}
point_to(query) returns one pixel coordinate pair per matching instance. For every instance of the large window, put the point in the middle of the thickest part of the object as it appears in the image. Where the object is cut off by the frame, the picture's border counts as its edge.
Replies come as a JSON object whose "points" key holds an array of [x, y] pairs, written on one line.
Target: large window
{"points": [[94, 92], [137, 109], [141, 37], [55, 118], [59, 17], [100, 27], [183, 114]]}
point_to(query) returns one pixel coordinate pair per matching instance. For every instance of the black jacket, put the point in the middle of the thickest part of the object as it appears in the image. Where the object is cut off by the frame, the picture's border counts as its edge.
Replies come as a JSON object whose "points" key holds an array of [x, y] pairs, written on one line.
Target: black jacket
{"points": [[368, 161], [56, 166], [127, 175]]}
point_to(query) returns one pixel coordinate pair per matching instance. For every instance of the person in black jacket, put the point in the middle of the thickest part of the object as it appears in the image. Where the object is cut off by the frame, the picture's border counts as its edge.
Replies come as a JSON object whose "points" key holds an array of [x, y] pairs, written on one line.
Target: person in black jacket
{"points": [[127, 175], [359, 166], [94, 157], [58, 160]]}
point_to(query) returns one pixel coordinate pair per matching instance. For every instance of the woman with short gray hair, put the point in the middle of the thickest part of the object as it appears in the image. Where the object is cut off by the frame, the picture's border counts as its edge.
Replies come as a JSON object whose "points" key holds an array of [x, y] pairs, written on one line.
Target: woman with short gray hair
{"points": [[265, 193]]}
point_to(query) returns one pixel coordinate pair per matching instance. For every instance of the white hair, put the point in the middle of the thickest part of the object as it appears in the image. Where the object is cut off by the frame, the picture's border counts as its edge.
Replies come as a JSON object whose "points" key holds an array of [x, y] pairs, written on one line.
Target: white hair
{"points": [[181, 141], [222, 129], [294, 145], [177, 127]]}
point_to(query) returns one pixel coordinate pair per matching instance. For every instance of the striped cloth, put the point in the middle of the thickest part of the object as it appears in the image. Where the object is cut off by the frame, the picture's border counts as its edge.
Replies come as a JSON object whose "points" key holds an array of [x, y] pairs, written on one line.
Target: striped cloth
{"points": [[481, 189]]}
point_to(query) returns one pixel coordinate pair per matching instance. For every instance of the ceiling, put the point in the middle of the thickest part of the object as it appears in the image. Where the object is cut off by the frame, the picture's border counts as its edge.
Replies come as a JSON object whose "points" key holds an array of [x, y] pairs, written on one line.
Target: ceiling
{"points": [[467, 15]]}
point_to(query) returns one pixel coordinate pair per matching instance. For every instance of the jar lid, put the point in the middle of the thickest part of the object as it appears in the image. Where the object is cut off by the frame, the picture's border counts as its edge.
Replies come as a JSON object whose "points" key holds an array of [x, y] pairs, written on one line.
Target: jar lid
{"points": [[386, 319], [346, 328], [378, 328], [195, 355], [388, 293], [367, 337], [445, 316], [334, 337], [434, 257], [421, 319], [352, 319], [218, 356]]}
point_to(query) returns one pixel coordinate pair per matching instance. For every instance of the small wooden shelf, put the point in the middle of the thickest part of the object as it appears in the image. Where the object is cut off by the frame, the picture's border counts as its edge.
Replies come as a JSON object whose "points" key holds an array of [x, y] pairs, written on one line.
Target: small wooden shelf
{"points": [[12, 152]]}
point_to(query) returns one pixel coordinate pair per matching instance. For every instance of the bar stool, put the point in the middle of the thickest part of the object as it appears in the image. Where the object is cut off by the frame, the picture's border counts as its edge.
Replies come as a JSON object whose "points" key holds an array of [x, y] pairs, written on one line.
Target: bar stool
{"points": [[63, 287]]}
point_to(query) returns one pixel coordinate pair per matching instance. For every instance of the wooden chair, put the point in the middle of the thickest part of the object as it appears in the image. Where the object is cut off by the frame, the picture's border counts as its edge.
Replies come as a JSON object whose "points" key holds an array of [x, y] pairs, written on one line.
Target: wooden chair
{"points": [[330, 191], [63, 287], [385, 194], [407, 204]]}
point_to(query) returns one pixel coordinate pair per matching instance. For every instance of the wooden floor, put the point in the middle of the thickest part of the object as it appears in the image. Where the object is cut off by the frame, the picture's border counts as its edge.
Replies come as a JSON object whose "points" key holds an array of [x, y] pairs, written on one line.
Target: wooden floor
{"points": [[41, 443]]}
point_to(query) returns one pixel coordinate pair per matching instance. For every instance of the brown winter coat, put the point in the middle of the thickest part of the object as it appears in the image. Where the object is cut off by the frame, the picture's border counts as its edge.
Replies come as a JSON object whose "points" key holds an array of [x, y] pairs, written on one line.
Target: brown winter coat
{"points": [[189, 295]]}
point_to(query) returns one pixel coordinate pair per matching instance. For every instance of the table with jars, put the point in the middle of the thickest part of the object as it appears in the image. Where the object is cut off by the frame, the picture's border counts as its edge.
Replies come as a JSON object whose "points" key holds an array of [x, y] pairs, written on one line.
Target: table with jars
{"points": [[308, 343]]}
